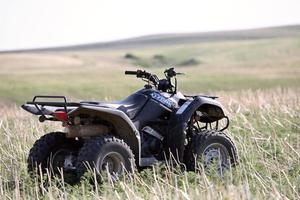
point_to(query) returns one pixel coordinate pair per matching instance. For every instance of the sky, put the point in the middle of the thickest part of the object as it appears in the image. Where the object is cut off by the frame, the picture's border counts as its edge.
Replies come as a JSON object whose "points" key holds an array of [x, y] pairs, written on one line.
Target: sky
{"points": [[48, 23]]}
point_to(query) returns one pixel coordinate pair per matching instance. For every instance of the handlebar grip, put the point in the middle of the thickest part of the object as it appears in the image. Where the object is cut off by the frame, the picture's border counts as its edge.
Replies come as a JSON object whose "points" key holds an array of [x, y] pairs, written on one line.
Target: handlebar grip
{"points": [[131, 72]]}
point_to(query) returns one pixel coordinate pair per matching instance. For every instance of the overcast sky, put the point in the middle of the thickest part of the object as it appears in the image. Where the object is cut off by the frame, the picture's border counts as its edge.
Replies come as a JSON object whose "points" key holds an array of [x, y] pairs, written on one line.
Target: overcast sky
{"points": [[46, 23]]}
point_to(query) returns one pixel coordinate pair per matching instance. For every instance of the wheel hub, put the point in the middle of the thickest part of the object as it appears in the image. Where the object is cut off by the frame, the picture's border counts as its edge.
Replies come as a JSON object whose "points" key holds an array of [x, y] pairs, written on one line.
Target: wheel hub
{"points": [[217, 154], [112, 163], [64, 159]]}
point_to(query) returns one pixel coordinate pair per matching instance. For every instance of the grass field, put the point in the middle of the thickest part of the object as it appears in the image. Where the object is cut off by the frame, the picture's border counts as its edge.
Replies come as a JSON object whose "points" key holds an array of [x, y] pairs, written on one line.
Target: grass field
{"points": [[258, 82]]}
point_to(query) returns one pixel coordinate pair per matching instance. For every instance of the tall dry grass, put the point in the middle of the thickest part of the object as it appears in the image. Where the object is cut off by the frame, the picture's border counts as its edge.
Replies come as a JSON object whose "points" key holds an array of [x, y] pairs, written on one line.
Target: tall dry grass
{"points": [[265, 125]]}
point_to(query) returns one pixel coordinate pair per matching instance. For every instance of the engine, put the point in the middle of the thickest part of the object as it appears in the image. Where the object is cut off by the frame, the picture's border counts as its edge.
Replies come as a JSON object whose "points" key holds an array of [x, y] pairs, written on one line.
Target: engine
{"points": [[151, 142]]}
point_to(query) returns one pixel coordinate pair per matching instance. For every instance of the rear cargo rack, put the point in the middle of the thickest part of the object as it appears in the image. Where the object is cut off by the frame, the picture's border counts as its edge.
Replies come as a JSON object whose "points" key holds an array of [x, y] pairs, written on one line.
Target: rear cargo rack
{"points": [[62, 103]]}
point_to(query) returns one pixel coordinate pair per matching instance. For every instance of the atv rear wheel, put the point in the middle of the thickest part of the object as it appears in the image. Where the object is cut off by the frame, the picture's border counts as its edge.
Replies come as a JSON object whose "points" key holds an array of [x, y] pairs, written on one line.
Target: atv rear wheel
{"points": [[106, 155], [55, 153], [208, 148]]}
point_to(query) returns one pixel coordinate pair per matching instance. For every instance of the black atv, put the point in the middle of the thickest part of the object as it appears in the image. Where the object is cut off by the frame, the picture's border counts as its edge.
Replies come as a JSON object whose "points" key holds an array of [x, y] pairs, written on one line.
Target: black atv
{"points": [[156, 124]]}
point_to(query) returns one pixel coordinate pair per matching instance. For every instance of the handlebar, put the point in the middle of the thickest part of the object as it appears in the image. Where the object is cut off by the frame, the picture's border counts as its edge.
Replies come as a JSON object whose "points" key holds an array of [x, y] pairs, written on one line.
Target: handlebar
{"points": [[152, 78], [130, 72], [139, 73], [144, 75]]}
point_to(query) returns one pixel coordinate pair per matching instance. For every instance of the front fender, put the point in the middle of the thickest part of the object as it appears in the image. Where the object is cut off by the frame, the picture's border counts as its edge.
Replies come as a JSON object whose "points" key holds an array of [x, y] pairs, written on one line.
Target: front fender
{"points": [[211, 110], [123, 125]]}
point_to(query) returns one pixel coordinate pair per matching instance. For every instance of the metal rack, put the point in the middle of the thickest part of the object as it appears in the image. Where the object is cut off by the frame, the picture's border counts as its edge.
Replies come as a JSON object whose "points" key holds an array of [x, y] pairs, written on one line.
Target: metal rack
{"points": [[40, 104]]}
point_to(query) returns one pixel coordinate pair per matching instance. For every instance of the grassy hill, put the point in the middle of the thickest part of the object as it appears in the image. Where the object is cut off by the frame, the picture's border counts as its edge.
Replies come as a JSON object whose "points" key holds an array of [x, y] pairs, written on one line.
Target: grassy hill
{"points": [[182, 38], [255, 72], [210, 65]]}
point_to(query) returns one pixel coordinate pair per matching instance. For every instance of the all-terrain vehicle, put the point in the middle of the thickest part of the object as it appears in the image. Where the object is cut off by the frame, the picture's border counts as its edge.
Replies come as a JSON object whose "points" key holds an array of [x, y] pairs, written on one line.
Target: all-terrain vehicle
{"points": [[156, 124]]}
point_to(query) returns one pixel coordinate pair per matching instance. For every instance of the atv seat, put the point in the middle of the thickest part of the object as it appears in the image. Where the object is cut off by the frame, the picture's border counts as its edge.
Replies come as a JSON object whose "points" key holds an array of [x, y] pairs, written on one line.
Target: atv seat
{"points": [[130, 106]]}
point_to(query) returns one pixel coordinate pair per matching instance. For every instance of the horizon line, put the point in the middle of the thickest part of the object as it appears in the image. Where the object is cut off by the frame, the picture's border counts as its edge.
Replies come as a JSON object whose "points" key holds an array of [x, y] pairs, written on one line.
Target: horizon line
{"points": [[79, 45]]}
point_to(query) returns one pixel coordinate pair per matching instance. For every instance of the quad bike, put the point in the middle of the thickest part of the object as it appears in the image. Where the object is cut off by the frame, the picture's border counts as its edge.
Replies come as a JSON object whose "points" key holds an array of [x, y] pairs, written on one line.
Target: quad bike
{"points": [[156, 124]]}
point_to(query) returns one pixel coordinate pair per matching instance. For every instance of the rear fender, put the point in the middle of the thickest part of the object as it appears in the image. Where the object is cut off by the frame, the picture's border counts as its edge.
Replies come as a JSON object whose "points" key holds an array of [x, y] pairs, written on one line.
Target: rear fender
{"points": [[124, 127]]}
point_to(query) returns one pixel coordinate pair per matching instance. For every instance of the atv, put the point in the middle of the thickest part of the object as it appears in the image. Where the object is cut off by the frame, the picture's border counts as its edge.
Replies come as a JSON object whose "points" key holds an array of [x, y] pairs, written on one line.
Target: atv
{"points": [[156, 124]]}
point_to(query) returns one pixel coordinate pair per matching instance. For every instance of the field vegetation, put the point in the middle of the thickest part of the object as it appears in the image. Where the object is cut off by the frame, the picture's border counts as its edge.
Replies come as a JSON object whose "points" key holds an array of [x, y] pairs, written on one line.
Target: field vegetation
{"points": [[258, 82]]}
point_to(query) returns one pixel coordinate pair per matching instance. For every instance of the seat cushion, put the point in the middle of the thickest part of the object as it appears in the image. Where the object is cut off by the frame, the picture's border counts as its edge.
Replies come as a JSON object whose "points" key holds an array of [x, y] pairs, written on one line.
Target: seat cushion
{"points": [[130, 106]]}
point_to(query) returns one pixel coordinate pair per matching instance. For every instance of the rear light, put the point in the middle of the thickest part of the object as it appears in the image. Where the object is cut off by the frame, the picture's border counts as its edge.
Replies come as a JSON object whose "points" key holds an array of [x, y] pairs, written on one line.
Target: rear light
{"points": [[60, 115]]}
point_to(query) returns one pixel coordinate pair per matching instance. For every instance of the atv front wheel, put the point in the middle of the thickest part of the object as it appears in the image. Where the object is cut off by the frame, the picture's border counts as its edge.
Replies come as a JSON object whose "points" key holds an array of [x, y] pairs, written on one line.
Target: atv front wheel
{"points": [[55, 153], [105, 155], [210, 148]]}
